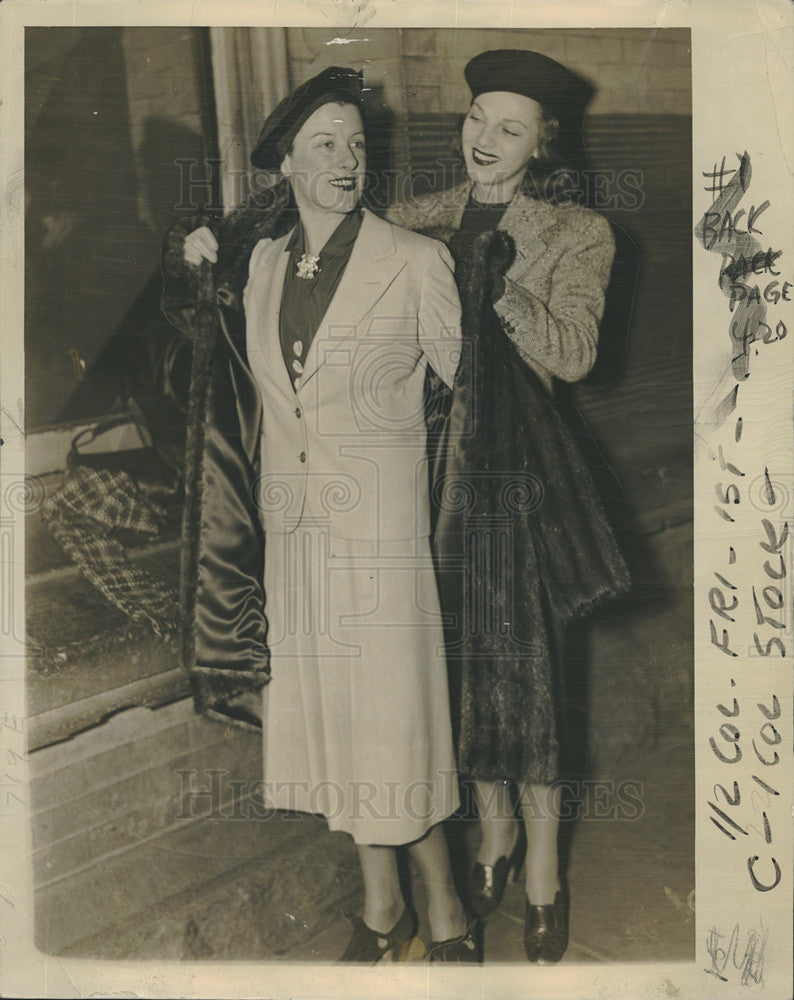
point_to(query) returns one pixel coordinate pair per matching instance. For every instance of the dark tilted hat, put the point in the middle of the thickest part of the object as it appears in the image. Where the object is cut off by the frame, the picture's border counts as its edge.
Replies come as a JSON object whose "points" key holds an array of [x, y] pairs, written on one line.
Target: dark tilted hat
{"points": [[337, 83], [559, 91]]}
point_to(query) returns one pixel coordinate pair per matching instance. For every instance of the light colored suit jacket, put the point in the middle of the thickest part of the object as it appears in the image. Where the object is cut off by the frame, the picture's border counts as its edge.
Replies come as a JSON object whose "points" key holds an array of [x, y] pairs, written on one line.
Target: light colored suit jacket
{"points": [[347, 448], [555, 287]]}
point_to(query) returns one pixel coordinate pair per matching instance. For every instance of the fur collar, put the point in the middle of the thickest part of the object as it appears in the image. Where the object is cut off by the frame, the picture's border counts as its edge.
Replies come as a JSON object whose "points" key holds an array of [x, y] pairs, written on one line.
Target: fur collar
{"points": [[526, 219]]}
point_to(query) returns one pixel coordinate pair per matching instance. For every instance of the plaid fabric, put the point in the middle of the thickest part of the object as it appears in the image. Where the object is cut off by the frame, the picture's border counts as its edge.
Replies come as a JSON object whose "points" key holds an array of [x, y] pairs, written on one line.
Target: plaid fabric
{"points": [[83, 514]]}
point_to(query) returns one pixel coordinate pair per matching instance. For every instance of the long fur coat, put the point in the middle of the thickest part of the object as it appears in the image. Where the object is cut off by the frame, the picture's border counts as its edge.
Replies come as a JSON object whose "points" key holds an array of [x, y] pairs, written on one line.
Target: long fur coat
{"points": [[223, 622], [522, 542]]}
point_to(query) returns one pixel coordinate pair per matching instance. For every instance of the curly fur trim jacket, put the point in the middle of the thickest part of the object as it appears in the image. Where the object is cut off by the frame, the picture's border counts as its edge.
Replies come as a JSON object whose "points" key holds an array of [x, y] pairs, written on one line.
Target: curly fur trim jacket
{"points": [[554, 289]]}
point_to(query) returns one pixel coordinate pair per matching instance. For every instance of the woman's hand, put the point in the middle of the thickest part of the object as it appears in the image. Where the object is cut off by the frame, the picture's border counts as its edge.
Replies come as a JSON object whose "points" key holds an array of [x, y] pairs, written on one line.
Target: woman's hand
{"points": [[201, 245]]}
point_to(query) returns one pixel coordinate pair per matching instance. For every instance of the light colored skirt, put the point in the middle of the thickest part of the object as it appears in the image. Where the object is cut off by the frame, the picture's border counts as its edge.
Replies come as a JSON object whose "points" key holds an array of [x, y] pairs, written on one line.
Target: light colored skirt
{"points": [[356, 715]]}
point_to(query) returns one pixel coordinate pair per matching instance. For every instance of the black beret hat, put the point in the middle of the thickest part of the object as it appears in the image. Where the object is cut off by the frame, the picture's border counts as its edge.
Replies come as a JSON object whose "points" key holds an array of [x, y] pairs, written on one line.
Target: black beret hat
{"points": [[558, 90], [337, 83]]}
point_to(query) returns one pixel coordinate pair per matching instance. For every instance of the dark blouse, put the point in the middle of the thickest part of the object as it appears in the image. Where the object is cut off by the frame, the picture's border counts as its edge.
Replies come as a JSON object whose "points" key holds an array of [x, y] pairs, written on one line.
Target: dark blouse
{"points": [[304, 301], [478, 217], [481, 217]]}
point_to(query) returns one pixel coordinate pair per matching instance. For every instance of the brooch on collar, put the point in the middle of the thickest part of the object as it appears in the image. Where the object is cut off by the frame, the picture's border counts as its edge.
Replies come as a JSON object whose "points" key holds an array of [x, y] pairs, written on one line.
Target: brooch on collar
{"points": [[308, 265]]}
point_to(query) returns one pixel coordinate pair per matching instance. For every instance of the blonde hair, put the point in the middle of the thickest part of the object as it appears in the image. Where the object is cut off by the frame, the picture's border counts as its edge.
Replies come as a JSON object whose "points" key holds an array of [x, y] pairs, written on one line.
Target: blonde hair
{"points": [[549, 176]]}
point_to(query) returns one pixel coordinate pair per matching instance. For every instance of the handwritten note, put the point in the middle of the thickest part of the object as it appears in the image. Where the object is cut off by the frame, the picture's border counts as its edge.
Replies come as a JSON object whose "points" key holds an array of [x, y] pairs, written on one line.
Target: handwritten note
{"points": [[748, 597]]}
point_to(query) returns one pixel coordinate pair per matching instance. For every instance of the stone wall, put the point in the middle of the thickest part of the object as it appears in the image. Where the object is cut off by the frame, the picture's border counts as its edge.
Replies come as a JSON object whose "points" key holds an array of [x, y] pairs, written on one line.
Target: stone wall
{"points": [[169, 93], [636, 70]]}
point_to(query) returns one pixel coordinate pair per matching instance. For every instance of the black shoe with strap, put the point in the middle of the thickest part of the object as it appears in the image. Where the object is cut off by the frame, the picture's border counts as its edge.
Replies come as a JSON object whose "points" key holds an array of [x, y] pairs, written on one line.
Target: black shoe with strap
{"points": [[467, 947], [368, 947]]}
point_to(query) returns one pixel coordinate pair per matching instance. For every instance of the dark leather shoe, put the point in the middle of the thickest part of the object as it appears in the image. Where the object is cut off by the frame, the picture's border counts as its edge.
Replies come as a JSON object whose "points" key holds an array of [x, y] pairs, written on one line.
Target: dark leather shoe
{"points": [[487, 883], [466, 948], [546, 929], [368, 946]]}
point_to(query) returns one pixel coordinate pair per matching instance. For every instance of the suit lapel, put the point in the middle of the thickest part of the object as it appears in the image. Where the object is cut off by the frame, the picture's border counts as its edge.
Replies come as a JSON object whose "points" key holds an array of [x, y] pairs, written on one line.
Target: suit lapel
{"points": [[527, 220], [269, 306], [274, 357], [373, 266]]}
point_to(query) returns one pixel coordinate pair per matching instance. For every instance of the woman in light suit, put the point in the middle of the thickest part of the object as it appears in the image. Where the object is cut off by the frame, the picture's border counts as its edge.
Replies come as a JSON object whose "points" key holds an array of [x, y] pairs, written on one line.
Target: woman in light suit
{"points": [[314, 440]]}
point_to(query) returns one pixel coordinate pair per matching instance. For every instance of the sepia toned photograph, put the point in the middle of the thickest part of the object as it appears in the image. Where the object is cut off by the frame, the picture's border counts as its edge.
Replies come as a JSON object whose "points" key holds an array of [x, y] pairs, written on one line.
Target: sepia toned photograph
{"points": [[359, 494], [396, 482]]}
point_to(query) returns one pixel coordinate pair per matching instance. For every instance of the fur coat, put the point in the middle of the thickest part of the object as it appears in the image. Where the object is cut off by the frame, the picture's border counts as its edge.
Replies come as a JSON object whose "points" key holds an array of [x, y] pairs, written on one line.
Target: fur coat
{"points": [[222, 557], [522, 542], [520, 518]]}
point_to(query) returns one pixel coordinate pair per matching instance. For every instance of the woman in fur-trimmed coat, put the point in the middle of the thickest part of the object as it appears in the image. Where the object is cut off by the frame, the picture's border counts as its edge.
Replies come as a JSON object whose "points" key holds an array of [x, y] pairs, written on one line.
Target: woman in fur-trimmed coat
{"points": [[307, 515], [522, 543]]}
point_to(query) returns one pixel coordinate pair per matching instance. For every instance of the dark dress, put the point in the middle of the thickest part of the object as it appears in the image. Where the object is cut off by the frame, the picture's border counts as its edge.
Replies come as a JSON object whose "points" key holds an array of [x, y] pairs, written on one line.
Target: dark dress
{"points": [[521, 542]]}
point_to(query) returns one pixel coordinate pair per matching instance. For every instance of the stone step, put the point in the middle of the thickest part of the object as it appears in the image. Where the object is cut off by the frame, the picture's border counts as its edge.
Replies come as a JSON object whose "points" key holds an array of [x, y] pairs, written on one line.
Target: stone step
{"points": [[294, 889], [49, 728], [126, 815], [291, 901]]}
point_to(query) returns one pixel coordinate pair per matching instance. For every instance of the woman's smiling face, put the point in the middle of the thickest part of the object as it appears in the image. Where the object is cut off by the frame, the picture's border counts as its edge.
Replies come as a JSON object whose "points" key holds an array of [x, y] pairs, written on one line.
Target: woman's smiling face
{"points": [[328, 160], [500, 136]]}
